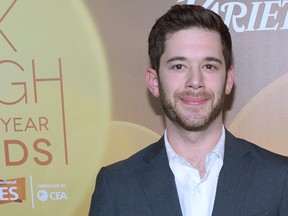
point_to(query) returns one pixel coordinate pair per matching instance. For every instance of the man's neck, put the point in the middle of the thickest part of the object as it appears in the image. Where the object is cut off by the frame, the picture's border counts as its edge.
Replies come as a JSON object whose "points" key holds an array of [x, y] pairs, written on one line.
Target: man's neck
{"points": [[194, 146]]}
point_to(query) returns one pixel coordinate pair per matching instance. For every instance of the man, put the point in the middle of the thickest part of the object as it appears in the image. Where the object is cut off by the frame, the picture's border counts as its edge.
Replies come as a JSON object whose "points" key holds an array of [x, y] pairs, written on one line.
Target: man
{"points": [[197, 168]]}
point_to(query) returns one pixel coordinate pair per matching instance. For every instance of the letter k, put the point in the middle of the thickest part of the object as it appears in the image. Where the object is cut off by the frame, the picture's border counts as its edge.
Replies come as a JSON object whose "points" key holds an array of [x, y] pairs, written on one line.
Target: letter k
{"points": [[1, 32]]}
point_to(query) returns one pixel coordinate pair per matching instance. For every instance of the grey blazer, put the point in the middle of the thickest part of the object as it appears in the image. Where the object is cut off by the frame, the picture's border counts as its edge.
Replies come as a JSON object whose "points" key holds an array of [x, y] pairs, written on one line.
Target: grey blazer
{"points": [[252, 182]]}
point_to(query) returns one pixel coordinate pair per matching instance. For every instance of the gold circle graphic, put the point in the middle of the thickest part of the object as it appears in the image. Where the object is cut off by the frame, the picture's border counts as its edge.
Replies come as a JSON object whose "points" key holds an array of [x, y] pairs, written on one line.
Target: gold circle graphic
{"points": [[264, 120]]}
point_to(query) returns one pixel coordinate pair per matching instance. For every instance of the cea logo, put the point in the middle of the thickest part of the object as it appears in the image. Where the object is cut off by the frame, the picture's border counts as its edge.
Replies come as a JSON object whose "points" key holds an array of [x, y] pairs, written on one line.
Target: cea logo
{"points": [[43, 195]]}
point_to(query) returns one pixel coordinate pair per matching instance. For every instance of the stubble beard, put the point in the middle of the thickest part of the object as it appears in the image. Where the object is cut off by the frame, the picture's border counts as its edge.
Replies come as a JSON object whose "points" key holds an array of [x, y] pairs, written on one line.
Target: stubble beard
{"points": [[195, 120]]}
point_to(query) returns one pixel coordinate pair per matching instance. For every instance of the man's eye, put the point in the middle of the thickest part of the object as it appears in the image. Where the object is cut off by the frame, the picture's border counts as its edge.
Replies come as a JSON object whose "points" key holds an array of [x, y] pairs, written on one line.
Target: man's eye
{"points": [[178, 67], [209, 66]]}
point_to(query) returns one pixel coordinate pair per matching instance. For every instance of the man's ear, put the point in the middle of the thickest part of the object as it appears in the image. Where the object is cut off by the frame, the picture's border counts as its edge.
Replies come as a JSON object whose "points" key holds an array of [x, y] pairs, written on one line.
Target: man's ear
{"points": [[152, 81], [230, 80]]}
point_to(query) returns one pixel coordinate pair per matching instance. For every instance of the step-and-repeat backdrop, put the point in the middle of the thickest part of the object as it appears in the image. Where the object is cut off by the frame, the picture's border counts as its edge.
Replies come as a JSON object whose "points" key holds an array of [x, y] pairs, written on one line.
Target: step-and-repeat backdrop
{"points": [[73, 96]]}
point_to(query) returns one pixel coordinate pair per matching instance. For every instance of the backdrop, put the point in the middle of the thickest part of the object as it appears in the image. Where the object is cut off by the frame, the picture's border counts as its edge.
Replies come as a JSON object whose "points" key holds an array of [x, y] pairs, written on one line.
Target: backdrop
{"points": [[73, 96]]}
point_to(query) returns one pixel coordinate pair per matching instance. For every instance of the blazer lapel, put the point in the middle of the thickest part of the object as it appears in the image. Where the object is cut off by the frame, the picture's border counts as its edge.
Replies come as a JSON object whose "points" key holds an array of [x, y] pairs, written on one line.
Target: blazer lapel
{"points": [[158, 182], [234, 179]]}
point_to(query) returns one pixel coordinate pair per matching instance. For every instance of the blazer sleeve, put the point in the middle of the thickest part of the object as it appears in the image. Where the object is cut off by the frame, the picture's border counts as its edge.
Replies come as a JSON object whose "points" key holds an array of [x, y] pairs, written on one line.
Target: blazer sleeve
{"points": [[101, 202], [284, 205]]}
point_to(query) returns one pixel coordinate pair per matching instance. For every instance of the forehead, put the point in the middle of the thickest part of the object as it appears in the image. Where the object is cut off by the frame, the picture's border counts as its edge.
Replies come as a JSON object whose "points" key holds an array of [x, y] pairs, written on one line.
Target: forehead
{"points": [[193, 39]]}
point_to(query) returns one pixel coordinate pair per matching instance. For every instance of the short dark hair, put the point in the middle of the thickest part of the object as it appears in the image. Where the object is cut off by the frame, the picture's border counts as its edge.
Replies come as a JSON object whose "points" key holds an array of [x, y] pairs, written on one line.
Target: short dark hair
{"points": [[181, 17]]}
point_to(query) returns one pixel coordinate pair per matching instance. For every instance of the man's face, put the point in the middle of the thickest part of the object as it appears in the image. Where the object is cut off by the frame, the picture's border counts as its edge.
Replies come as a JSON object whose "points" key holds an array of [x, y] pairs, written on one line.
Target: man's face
{"points": [[192, 78]]}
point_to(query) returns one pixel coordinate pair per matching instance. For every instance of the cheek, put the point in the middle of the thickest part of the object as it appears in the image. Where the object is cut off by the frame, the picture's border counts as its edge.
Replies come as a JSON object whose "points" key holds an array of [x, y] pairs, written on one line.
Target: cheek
{"points": [[217, 86], [170, 85]]}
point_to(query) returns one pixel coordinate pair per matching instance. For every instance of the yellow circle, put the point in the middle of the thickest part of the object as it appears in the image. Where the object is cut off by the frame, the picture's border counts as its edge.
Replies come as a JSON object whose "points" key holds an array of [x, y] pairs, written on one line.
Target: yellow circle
{"points": [[44, 38]]}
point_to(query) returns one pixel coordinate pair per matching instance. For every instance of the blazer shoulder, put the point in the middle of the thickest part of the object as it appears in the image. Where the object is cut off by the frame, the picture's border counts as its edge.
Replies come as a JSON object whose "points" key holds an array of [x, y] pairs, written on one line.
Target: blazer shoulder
{"points": [[145, 155], [264, 154]]}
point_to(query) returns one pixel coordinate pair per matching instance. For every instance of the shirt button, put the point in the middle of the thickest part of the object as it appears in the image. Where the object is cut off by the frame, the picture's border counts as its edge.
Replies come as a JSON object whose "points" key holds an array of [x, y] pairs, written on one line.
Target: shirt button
{"points": [[199, 190]]}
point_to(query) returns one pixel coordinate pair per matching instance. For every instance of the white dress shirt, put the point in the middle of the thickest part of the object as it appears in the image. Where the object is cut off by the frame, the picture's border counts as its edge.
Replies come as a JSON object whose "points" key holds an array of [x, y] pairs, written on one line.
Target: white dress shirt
{"points": [[196, 195]]}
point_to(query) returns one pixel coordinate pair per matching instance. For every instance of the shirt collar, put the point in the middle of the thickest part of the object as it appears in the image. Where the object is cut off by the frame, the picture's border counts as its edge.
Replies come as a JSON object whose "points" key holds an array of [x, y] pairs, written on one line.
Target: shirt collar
{"points": [[219, 148]]}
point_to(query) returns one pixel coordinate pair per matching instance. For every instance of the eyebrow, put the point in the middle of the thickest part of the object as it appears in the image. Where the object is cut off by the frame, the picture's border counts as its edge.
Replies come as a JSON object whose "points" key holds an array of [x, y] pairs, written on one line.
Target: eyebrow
{"points": [[181, 58], [177, 58], [213, 59]]}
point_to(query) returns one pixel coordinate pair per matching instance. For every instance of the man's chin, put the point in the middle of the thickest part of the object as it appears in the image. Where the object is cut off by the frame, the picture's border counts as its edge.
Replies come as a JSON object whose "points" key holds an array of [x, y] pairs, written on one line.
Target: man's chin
{"points": [[197, 124]]}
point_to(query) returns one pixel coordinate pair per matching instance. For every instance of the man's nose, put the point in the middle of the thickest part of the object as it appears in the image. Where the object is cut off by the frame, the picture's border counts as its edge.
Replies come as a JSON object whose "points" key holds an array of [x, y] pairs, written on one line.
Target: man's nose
{"points": [[194, 79]]}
